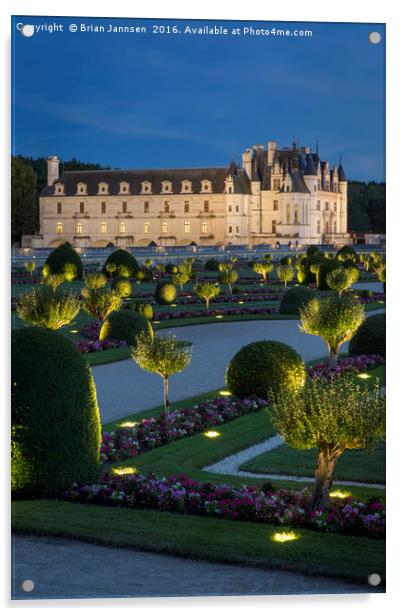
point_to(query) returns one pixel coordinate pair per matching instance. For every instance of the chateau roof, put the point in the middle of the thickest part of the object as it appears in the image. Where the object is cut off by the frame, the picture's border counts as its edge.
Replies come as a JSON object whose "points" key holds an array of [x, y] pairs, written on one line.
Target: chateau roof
{"points": [[341, 173], [134, 177], [310, 168]]}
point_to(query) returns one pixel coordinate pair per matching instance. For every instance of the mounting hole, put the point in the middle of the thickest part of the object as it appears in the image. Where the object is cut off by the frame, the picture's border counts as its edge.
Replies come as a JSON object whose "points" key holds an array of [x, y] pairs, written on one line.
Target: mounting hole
{"points": [[374, 38], [28, 585], [374, 579]]}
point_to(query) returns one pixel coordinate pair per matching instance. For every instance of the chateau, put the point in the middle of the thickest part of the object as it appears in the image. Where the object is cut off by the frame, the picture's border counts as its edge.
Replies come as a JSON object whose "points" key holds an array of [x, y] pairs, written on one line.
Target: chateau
{"points": [[277, 195]]}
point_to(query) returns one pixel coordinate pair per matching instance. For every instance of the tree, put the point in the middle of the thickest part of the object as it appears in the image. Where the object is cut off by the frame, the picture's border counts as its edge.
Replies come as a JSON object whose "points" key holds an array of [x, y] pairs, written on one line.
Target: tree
{"points": [[207, 291], [180, 279], [285, 273], [263, 268], [110, 268], [24, 217], [228, 274], [54, 281], [342, 278], [70, 272], [335, 319], [46, 308], [100, 302], [96, 280], [30, 267], [164, 356], [333, 416], [148, 263]]}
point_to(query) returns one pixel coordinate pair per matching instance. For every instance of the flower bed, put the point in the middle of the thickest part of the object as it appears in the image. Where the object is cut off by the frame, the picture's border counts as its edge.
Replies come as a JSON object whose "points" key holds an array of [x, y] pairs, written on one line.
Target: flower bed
{"points": [[128, 441], [224, 312], [94, 346], [181, 494], [351, 365]]}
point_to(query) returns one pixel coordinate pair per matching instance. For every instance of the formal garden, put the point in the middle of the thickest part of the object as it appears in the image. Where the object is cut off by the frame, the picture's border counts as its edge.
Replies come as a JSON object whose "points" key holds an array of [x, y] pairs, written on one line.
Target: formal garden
{"points": [[310, 496]]}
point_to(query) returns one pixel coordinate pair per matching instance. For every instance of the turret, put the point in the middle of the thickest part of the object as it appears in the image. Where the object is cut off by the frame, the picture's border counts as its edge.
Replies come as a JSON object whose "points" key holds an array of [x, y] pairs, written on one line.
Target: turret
{"points": [[52, 170]]}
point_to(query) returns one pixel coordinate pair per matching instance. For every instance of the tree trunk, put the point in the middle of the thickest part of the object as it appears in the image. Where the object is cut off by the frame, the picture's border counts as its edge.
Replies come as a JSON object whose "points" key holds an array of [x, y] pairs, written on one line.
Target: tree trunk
{"points": [[333, 357], [326, 461], [207, 303], [166, 397], [230, 288]]}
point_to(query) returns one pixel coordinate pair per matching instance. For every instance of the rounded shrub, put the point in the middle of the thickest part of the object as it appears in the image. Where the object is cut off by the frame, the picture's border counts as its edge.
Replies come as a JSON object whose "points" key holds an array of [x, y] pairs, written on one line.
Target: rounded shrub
{"points": [[312, 250], [144, 275], [345, 253], [285, 261], [294, 299], [370, 337], [171, 268], [304, 274], [125, 325], [212, 265], [165, 293], [55, 418], [262, 368], [120, 258], [122, 286], [145, 309], [324, 269], [63, 256]]}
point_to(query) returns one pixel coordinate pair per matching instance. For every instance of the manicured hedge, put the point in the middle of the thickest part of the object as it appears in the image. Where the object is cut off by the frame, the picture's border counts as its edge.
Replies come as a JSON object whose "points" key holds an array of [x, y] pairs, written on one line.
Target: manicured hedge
{"points": [[122, 257], [262, 368], [370, 337], [324, 269], [346, 253], [55, 419], [165, 293], [60, 256], [294, 299], [125, 325], [212, 265]]}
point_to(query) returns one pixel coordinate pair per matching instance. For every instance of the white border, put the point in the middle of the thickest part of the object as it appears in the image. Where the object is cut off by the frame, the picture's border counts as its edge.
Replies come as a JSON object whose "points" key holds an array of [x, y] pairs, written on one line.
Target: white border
{"points": [[291, 10]]}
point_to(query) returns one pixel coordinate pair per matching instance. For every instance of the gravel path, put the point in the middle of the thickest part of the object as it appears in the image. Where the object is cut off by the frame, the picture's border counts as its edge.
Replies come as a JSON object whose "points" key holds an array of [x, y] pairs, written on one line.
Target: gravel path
{"points": [[68, 569]]}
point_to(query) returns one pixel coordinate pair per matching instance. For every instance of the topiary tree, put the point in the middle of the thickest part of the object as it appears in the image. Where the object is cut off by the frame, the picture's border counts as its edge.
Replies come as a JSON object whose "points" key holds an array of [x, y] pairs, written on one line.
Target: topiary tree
{"points": [[342, 278], [212, 265], [228, 275], [97, 280], [264, 268], [148, 263], [144, 275], [294, 299], [125, 325], [262, 367], [46, 308], [125, 264], [30, 267], [165, 293], [312, 250], [180, 279], [285, 273], [370, 338], [122, 286], [145, 309], [110, 268], [365, 260], [304, 274], [335, 319], [100, 303], [55, 418], [346, 253], [285, 261], [70, 272], [164, 356], [171, 268], [322, 272], [60, 256], [331, 416], [207, 290], [54, 281]]}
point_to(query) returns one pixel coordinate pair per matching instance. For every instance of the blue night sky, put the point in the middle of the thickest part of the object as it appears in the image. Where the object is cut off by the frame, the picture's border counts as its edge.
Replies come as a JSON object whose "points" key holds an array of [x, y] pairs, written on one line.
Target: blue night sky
{"points": [[147, 100]]}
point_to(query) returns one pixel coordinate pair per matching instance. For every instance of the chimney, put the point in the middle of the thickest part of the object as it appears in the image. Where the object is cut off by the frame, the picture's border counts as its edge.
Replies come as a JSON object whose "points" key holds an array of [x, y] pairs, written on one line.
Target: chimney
{"points": [[246, 162], [52, 170], [271, 151]]}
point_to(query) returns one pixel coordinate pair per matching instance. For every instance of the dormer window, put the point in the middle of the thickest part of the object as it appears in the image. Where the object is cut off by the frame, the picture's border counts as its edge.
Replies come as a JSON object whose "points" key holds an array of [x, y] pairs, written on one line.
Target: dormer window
{"points": [[166, 186], [166, 207], [146, 187], [103, 188], [206, 186], [81, 188], [59, 188], [186, 186], [124, 188]]}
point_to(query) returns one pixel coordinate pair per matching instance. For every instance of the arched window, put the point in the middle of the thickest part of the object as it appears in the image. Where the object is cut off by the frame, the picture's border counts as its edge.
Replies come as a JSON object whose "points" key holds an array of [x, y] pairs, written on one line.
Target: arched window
{"points": [[124, 188], [166, 186], [206, 186], [78, 228], [146, 187], [81, 188], [103, 188], [59, 188], [186, 186]]}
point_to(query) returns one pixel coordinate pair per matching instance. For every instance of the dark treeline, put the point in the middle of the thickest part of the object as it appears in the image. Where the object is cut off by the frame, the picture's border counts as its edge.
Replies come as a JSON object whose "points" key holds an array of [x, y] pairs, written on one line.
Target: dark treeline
{"points": [[366, 200]]}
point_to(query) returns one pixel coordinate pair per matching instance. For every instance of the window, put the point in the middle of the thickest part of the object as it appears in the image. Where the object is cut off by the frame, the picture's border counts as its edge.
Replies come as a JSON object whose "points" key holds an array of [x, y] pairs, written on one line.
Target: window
{"points": [[230, 208], [315, 188], [78, 228], [276, 205], [59, 189], [318, 226], [59, 227], [327, 227], [103, 188], [296, 213], [186, 226], [326, 206], [103, 226], [335, 207], [287, 188], [59, 207], [288, 213], [124, 207], [204, 227], [164, 227], [103, 207], [122, 227], [146, 187], [237, 208], [277, 184], [82, 207], [124, 187], [237, 229], [146, 207], [186, 186], [274, 226], [230, 229], [166, 186], [334, 226], [318, 206], [206, 186], [186, 207], [206, 206], [81, 188], [147, 227], [230, 190], [166, 207]]}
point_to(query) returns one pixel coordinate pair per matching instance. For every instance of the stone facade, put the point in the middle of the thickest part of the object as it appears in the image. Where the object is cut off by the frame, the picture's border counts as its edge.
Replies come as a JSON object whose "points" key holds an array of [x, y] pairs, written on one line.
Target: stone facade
{"points": [[275, 195]]}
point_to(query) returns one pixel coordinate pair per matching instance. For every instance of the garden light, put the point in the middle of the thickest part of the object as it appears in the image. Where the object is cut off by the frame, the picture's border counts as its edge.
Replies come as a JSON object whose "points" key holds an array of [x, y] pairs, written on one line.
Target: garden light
{"points": [[128, 424], [219, 316], [283, 537], [225, 392], [211, 434], [340, 494], [125, 470], [364, 375], [73, 331]]}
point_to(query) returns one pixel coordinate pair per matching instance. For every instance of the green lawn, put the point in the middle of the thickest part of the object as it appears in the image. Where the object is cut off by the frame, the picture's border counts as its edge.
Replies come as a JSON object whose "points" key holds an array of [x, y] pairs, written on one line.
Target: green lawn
{"points": [[210, 539]]}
